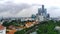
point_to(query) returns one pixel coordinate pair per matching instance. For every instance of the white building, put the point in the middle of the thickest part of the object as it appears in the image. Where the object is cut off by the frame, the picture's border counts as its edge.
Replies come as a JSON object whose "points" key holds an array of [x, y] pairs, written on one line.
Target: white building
{"points": [[33, 33], [40, 18], [2, 29], [26, 19]]}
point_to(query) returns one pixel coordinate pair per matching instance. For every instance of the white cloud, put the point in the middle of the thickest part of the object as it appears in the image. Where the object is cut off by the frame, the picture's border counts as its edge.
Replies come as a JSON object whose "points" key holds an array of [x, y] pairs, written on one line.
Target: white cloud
{"points": [[28, 12], [24, 13], [54, 11], [48, 3]]}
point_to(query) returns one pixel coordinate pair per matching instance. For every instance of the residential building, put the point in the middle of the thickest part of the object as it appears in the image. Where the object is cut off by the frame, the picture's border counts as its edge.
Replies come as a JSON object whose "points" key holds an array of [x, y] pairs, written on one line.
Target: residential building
{"points": [[11, 31], [29, 24], [2, 29]]}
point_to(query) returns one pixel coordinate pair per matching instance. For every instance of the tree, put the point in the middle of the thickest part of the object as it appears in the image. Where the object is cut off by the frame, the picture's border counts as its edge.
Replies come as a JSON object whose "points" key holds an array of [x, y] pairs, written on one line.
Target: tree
{"points": [[5, 24], [47, 28], [20, 32]]}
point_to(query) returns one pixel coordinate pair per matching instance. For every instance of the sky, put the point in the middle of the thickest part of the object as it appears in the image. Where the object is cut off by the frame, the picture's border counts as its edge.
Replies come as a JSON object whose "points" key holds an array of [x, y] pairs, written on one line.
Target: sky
{"points": [[26, 8]]}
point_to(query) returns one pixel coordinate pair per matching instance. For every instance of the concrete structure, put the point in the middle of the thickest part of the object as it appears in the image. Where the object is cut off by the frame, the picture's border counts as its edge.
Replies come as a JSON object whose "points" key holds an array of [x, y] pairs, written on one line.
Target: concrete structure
{"points": [[40, 18], [2, 29], [57, 28], [42, 11], [27, 18], [29, 24], [33, 33], [42, 14]]}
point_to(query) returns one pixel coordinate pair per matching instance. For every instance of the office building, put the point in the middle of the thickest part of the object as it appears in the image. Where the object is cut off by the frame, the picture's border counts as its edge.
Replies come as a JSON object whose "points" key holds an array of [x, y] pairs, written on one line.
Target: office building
{"points": [[42, 14]]}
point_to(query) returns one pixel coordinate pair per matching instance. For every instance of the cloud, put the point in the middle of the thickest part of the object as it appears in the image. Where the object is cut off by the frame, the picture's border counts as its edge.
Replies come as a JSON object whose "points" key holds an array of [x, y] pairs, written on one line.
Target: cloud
{"points": [[28, 12], [54, 11], [11, 9]]}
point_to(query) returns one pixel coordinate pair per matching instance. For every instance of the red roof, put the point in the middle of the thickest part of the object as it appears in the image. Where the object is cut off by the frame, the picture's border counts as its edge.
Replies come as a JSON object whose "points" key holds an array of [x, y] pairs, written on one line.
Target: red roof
{"points": [[11, 32], [1, 27]]}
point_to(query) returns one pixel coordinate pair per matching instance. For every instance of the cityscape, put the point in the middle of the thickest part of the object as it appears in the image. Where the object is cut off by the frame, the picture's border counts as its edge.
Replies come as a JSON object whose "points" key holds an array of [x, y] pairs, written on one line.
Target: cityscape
{"points": [[39, 23]]}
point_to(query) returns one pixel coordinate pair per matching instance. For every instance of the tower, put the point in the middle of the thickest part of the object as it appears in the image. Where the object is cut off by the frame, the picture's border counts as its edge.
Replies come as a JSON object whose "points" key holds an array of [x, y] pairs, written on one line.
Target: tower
{"points": [[42, 8], [39, 11], [42, 11]]}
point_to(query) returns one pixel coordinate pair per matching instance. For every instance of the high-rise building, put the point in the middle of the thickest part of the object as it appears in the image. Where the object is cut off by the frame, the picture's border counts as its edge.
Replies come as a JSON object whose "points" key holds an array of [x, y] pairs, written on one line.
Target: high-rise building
{"points": [[43, 8], [42, 14], [39, 11], [42, 11], [48, 15]]}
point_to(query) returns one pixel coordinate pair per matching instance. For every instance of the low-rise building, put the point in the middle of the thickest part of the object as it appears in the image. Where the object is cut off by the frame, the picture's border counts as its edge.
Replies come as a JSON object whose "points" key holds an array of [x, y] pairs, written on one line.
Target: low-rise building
{"points": [[11, 31], [40, 18], [29, 24], [2, 29]]}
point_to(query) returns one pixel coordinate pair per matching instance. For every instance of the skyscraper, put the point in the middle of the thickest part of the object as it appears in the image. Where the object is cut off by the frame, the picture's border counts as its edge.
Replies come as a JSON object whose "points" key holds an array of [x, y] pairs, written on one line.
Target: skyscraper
{"points": [[43, 9], [39, 11], [48, 15], [43, 12]]}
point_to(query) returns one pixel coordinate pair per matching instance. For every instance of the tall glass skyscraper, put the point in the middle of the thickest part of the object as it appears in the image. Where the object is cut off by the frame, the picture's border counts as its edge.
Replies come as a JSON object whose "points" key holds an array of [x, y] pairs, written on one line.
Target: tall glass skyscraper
{"points": [[39, 11], [42, 11], [42, 14]]}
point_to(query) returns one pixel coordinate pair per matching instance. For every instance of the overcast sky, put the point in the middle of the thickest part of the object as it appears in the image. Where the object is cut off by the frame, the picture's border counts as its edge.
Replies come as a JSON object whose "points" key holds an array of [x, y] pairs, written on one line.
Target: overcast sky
{"points": [[28, 7]]}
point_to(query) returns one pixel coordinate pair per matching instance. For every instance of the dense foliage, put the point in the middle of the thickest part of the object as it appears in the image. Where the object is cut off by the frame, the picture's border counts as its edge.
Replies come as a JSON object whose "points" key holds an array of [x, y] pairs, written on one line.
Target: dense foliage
{"points": [[48, 27], [20, 32]]}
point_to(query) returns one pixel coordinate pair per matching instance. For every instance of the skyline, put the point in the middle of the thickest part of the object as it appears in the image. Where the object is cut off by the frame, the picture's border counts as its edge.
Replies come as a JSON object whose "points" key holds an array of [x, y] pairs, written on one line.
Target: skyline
{"points": [[22, 8]]}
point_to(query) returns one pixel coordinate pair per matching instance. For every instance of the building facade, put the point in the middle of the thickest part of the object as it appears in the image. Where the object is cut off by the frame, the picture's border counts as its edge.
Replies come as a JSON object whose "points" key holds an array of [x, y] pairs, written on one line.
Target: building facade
{"points": [[42, 14], [2, 29]]}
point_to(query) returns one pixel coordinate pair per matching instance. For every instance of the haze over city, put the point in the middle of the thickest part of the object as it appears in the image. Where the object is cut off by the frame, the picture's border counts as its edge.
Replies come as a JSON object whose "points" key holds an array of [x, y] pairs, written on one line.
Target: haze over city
{"points": [[26, 8], [29, 16]]}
